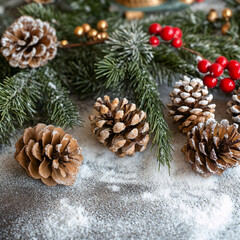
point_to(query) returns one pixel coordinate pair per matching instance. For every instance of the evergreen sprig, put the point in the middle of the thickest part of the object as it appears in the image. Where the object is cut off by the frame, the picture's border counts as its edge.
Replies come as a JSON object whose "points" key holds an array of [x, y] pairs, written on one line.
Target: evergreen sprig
{"points": [[125, 67], [34, 94], [18, 97]]}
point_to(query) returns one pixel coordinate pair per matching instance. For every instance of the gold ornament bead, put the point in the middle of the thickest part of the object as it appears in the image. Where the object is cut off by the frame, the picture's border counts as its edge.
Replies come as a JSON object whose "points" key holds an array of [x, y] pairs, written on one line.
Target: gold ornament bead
{"points": [[86, 27], [64, 42], [104, 35], [79, 31], [99, 36], [212, 15], [92, 33], [102, 25], [227, 13], [226, 27]]}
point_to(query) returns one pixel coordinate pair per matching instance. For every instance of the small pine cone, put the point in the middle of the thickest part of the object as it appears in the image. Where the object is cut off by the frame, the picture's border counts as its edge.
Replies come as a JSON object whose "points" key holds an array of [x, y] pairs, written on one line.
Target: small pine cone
{"points": [[29, 43], [50, 154], [234, 106], [190, 104], [212, 147], [120, 126]]}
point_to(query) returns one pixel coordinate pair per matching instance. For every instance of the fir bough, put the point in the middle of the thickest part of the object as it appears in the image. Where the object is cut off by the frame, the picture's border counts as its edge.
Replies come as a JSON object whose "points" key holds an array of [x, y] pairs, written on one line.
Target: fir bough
{"points": [[126, 66]]}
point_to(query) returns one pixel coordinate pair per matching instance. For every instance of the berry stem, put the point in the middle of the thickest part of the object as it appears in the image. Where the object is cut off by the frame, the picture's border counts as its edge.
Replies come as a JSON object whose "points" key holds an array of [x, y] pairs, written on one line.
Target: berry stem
{"points": [[189, 50], [192, 51]]}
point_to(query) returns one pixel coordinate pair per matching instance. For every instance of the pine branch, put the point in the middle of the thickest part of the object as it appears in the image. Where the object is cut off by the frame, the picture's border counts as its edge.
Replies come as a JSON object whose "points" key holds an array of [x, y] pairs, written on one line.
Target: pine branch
{"points": [[57, 105], [125, 66], [232, 3], [148, 99], [18, 97]]}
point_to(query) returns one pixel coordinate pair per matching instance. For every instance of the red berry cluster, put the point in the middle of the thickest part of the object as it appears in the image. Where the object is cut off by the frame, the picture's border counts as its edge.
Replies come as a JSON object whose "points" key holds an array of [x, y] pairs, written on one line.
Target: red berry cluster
{"points": [[167, 33], [216, 69]]}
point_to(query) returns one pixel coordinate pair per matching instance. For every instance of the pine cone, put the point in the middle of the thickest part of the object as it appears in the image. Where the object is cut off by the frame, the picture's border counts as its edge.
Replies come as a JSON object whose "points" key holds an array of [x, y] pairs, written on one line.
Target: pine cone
{"points": [[234, 106], [50, 154], [190, 104], [29, 42], [120, 126], [213, 147]]}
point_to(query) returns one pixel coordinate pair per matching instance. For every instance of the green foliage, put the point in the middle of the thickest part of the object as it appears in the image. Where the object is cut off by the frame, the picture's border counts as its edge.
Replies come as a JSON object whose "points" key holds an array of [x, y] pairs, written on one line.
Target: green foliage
{"points": [[32, 94], [57, 106], [18, 98], [232, 3]]}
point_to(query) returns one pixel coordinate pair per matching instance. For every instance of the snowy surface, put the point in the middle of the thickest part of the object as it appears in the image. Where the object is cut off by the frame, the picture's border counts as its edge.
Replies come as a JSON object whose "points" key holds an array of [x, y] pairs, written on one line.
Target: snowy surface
{"points": [[115, 198]]}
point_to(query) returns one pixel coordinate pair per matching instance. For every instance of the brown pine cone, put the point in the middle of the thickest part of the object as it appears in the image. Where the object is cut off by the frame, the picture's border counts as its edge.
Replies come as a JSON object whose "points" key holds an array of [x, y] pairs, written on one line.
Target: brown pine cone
{"points": [[234, 106], [120, 126], [190, 104], [29, 43], [50, 154], [212, 147]]}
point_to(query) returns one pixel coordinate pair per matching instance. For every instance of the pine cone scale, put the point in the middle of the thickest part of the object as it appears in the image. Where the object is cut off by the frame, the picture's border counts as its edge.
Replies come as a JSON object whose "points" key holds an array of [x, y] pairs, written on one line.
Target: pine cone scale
{"points": [[45, 169], [29, 153], [33, 170]]}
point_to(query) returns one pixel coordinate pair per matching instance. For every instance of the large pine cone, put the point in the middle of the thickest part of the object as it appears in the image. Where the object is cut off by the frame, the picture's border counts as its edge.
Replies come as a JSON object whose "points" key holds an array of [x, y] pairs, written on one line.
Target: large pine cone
{"points": [[120, 126], [234, 106], [29, 43], [190, 104], [50, 154], [213, 147]]}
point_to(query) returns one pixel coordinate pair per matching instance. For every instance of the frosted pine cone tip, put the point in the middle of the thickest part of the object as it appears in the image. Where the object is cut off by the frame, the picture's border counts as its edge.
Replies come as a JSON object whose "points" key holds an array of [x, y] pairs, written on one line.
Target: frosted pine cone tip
{"points": [[50, 154], [120, 126]]}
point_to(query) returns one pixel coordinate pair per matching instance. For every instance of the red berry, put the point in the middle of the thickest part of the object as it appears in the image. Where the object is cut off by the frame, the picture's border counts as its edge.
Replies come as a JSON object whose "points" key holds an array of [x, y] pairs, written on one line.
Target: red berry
{"points": [[210, 81], [167, 33], [154, 41], [216, 69], [222, 61], [232, 63], [227, 85], [199, 1], [234, 72], [177, 32], [155, 28], [177, 42], [203, 66]]}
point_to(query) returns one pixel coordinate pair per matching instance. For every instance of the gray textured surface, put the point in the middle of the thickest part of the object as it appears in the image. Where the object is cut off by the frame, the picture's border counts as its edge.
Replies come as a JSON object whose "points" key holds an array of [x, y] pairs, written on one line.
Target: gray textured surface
{"points": [[121, 198]]}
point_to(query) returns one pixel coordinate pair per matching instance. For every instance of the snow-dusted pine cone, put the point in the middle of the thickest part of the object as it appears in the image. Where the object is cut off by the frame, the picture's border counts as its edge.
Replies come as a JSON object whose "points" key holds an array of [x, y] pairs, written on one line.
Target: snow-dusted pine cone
{"points": [[29, 43], [50, 154], [120, 126], [213, 147], [234, 106], [190, 104]]}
